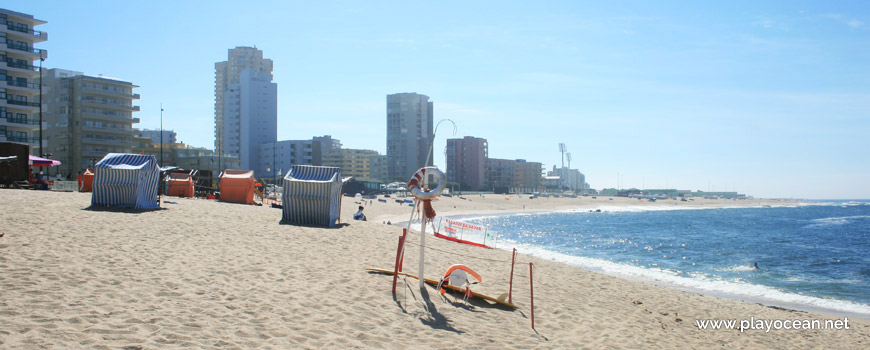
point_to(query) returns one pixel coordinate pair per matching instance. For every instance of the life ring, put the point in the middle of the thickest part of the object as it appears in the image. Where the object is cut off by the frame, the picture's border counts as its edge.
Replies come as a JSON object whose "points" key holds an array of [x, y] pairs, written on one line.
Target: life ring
{"points": [[414, 183]]}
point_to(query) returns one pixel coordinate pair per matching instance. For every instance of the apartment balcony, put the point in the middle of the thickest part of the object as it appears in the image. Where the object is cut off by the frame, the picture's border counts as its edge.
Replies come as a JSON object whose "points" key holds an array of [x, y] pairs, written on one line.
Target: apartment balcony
{"points": [[110, 105], [32, 141], [126, 132], [30, 106], [27, 51], [105, 142], [105, 92], [111, 118], [29, 88], [11, 66], [20, 30], [19, 122]]}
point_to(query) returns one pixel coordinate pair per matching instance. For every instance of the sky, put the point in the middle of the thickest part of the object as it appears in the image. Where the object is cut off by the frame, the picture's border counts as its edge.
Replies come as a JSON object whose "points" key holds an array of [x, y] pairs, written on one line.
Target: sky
{"points": [[771, 99]]}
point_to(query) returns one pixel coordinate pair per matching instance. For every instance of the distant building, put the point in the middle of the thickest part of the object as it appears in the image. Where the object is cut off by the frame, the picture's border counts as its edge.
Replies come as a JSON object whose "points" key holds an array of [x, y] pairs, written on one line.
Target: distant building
{"points": [[88, 118], [378, 167], [277, 157], [571, 179], [186, 157], [466, 162], [513, 176], [19, 80], [409, 132], [500, 174], [527, 176], [327, 143], [169, 136], [246, 106], [353, 162]]}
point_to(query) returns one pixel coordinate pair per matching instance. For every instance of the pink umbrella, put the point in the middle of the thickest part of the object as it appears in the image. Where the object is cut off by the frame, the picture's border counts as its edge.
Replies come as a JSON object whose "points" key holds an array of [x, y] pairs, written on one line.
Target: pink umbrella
{"points": [[39, 161]]}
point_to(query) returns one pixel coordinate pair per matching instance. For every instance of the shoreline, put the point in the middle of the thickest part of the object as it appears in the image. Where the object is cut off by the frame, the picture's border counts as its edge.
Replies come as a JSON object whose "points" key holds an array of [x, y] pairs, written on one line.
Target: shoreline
{"points": [[650, 280]]}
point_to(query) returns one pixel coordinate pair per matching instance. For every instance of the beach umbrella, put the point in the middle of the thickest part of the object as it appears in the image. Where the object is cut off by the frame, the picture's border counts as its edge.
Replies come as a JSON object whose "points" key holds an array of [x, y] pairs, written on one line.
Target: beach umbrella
{"points": [[39, 161]]}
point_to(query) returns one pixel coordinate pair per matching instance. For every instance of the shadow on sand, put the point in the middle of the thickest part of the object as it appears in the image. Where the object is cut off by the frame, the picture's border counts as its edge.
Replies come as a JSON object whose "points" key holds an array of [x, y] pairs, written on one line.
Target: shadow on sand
{"points": [[122, 210]]}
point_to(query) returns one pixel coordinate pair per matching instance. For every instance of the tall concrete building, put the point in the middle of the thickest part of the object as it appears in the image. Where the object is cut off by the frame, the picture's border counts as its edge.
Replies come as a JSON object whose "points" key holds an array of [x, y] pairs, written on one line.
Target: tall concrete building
{"points": [[87, 118], [409, 132], [20, 100], [466, 162], [246, 106]]}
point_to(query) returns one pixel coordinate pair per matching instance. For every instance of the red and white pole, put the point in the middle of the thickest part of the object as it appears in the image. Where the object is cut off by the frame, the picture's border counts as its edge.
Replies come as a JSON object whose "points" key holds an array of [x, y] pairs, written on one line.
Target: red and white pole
{"points": [[511, 285], [532, 293]]}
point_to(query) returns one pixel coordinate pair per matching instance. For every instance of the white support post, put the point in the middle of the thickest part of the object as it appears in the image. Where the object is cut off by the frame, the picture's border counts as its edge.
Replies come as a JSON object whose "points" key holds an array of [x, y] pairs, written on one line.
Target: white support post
{"points": [[423, 220]]}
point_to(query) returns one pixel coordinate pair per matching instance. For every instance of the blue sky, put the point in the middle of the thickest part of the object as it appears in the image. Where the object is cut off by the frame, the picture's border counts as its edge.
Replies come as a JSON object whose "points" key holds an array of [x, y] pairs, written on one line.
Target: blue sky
{"points": [[771, 99]]}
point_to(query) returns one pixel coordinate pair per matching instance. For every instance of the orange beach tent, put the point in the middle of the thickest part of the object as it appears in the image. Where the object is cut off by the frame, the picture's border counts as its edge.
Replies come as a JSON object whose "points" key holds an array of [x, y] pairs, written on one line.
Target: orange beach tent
{"points": [[237, 186], [87, 181], [179, 185]]}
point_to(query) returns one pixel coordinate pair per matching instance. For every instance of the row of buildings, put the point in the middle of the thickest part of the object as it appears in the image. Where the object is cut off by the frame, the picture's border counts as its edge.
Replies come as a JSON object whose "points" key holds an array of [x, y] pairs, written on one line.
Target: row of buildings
{"points": [[246, 127], [85, 117], [77, 118], [469, 166]]}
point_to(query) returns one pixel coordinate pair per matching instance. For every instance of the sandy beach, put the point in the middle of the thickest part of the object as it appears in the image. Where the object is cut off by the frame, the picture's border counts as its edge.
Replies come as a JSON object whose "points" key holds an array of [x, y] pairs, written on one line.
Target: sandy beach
{"points": [[201, 274]]}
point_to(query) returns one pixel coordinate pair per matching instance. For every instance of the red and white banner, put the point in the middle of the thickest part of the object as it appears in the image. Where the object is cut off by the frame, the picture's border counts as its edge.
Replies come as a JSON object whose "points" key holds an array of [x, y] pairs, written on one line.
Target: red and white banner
{"points": [[461, 225]]}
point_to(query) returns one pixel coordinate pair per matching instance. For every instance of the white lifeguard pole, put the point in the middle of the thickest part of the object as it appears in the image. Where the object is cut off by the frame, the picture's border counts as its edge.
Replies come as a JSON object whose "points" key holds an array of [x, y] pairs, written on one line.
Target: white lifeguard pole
{"points": [[423, 219]]}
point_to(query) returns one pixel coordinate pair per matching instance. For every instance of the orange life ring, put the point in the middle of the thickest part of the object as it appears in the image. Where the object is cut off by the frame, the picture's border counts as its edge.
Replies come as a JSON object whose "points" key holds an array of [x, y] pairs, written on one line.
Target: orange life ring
{"points": [[463, 268]]}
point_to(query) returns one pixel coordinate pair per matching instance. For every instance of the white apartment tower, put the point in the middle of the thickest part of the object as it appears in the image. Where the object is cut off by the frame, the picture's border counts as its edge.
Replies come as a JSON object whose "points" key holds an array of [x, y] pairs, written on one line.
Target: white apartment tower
{"points": [[20, 102], [409, 132], [246, 106]]}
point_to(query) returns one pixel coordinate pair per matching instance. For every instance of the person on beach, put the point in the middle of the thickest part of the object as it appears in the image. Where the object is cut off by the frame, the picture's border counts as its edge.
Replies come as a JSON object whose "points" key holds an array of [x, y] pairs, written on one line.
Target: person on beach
{"points": [[359, 214], [41, 182]]}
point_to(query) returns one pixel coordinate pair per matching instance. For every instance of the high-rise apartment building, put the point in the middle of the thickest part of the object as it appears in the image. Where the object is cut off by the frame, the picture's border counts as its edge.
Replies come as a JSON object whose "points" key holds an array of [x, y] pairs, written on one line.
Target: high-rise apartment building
{"points": [[20, 102], [246, 106], [87, 118], [409, 132], [466, 162]]}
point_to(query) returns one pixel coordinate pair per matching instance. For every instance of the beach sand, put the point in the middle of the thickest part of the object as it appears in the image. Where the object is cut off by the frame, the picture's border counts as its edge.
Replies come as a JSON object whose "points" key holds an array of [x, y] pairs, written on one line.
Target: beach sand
{"points": [[202, 274]]}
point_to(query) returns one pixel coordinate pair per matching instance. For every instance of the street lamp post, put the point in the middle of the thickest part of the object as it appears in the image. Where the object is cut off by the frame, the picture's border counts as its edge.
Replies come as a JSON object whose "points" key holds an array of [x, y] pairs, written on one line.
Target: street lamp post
{"points": [[161, 134], [41, 151]]}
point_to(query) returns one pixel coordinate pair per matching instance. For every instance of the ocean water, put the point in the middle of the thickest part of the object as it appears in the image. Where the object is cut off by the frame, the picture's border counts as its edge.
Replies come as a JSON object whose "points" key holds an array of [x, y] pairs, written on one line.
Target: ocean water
{"points": [[815, 257]]}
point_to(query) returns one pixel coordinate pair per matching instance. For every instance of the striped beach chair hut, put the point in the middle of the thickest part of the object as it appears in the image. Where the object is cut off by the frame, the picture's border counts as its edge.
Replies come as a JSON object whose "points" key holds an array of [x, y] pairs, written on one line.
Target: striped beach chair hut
{"points": [[126, 181], [312, 195]]}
